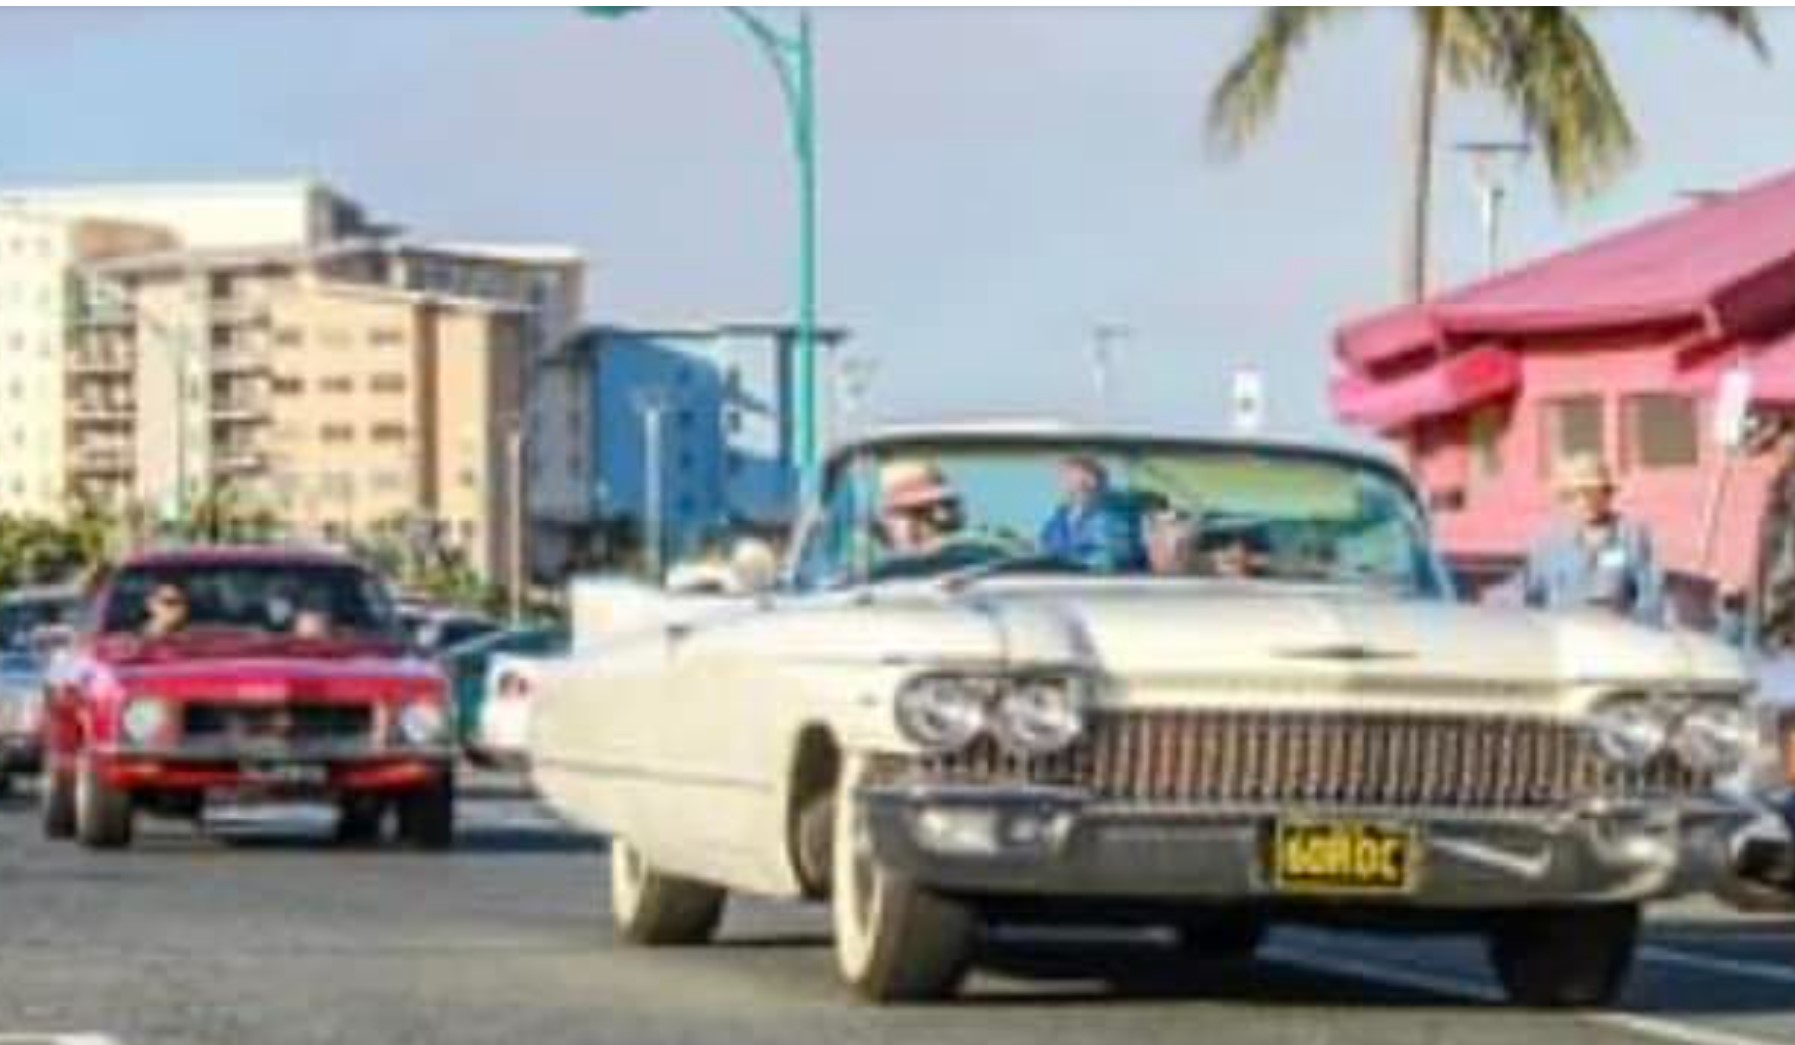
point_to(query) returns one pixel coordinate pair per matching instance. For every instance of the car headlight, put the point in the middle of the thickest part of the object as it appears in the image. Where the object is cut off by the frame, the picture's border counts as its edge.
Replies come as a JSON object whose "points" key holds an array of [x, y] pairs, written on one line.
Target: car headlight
{"points": [[423, 722], [1039, 716], [943, 712], [1631, 731], [1714, 737], [144, 719]]}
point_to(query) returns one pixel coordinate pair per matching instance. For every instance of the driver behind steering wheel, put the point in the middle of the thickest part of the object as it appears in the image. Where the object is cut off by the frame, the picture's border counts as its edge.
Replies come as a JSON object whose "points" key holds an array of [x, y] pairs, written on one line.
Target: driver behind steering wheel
{"points": [[920, 511]]}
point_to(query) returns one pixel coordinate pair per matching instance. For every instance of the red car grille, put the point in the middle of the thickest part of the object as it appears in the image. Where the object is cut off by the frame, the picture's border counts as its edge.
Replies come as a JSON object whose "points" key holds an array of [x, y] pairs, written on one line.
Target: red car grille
{"points": [[289, 723], [1353, 760]]}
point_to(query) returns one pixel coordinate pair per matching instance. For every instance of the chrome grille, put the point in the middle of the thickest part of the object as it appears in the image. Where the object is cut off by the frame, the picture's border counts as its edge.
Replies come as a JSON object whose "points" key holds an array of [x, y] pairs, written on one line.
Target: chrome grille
{"points": [[1364, 760]]}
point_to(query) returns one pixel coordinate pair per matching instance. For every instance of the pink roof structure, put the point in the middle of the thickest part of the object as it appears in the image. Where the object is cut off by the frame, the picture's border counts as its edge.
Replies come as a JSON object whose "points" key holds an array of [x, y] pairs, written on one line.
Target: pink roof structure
{"points": [[1724, 264]]}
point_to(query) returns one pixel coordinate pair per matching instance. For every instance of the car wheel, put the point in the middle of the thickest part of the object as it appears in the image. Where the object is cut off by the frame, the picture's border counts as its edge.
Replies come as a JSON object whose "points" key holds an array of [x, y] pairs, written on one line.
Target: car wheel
{"points": [[427, 815], [1566, 957], [895, 941], [1222, 935], [652, 909], [56, 803], [360, 819], [103, 814]]}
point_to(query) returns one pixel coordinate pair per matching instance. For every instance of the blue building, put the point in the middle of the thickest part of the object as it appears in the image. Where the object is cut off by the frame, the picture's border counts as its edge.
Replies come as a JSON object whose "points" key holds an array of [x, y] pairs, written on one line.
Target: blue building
{"points": [[724, 396]]}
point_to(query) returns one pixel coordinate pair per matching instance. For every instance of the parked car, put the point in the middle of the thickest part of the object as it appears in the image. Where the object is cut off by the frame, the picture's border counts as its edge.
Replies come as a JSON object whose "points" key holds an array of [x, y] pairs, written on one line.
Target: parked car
{"points": [[246, 673], [33, 626], [478, 686], [938, 734], [434, 630]]}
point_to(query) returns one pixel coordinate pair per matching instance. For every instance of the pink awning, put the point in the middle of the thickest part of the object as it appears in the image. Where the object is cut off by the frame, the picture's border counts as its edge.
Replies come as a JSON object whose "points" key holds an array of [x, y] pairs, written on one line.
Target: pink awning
{"points": [[1462, 381]]}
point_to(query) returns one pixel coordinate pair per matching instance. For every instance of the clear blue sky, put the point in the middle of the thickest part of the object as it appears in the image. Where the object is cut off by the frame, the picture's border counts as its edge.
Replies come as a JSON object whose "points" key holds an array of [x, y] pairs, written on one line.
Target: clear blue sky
{"points": [[995, 181]]}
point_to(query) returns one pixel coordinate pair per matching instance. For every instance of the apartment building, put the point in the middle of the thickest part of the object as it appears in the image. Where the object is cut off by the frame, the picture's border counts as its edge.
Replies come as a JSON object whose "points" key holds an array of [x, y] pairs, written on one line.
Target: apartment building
{"points": [[38, 253], [337, 401], [208, 215]]}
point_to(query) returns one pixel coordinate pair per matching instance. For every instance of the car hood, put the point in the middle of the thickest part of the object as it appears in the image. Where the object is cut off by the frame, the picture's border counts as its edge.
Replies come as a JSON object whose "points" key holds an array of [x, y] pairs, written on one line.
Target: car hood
{"points": [[1166, 636]]}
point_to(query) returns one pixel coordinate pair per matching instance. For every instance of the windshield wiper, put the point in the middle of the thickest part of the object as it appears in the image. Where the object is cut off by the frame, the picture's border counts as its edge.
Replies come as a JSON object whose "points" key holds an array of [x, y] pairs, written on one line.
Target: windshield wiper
{"points": [[1022, 562]]}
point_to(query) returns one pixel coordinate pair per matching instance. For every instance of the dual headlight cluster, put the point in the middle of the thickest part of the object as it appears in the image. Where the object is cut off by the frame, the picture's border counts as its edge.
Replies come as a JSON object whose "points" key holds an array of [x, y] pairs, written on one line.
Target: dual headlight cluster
{"points": [[1028, 714], [1708, 736]]}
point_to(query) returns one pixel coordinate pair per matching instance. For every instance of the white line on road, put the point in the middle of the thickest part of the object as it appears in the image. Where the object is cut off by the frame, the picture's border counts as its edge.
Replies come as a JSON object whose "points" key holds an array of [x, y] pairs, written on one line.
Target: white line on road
{"points": [[1722, 966], [1435, 983]]}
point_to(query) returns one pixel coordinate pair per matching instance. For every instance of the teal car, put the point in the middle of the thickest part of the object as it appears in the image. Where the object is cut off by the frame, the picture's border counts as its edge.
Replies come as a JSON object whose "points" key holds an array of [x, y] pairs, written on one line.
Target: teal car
{"points": [[468, 668]]}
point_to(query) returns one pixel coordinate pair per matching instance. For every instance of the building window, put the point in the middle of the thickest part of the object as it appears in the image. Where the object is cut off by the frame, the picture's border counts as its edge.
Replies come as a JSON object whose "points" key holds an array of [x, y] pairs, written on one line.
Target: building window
{"points": [[387, 383], [289, 337], [1486, 442], [289, 386], [1662, 432], [337, 385], [386, 336], [337, 433], [1573, 428], [389, 433]]}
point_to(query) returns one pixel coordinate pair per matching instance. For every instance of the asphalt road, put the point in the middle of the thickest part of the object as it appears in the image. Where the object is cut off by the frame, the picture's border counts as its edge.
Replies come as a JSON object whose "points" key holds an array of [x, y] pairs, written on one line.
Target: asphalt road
{"points": [[260, 932]]}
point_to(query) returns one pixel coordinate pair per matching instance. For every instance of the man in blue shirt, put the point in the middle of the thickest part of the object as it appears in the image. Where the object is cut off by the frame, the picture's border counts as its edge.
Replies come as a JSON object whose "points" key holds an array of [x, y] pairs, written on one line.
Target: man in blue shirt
{"points": [[1595, 558], [1092, 526]]}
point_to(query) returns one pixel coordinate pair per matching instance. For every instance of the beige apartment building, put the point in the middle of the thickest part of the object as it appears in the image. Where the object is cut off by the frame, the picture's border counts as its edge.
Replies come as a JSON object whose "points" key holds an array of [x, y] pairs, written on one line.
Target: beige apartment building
{"points": [[37, 256], [316, 384]]}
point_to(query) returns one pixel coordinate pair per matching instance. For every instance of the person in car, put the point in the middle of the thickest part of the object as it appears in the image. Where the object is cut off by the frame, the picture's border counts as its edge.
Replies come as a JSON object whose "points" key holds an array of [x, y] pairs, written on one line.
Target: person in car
{"points": [[1171, 539], [1594, 557], [919, 510], [165, 611], [1092, 527], [1240, 555]]}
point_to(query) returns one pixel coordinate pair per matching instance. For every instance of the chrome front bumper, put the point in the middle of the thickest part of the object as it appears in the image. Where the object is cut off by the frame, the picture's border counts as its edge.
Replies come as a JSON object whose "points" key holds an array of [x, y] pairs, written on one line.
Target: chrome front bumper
{"points": [[1045, 843]]}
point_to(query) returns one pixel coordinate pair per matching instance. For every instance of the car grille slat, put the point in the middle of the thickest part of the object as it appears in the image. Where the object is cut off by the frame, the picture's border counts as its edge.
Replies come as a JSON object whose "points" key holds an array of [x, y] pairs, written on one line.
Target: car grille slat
{"points": [[295, 724], [1173, 758]]}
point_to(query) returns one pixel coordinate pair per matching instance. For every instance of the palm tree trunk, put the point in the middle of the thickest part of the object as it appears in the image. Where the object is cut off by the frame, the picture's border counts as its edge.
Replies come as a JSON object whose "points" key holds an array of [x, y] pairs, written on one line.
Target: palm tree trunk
{"points": [[1421, 142]]}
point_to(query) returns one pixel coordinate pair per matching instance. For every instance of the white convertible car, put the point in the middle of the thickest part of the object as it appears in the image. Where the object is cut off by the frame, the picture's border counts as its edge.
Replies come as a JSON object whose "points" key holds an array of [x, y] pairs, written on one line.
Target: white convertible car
{"points": [[1227, 686]]}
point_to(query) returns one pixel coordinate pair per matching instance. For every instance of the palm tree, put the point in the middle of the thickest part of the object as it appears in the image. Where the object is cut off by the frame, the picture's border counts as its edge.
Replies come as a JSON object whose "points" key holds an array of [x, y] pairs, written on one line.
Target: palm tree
{"points": [[1542, 61]]}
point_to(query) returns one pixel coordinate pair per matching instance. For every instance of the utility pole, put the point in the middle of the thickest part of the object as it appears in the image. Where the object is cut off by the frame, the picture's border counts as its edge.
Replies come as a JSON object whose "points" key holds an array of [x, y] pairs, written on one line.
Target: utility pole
{"points": [[652, 404], [1493, 163], [1104, 339]]}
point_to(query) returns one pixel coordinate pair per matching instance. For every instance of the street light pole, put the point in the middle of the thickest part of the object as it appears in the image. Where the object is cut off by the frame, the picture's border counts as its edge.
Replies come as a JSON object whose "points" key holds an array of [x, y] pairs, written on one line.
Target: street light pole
{"points": [[1491, 163], [792, 57], [1104, 338], [651, 403], [514, 463]]}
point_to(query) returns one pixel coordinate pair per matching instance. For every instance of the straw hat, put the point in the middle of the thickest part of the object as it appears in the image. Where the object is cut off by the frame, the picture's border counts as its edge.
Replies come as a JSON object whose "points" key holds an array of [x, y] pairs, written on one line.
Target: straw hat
{"points": [[910, 485], [1584, 472]]}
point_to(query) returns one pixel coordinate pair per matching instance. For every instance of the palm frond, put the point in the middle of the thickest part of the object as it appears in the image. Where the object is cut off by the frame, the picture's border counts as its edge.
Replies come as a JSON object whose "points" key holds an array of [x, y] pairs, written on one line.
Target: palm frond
{"points": [[1741, 22], [1553, 74], [1246, 97]]}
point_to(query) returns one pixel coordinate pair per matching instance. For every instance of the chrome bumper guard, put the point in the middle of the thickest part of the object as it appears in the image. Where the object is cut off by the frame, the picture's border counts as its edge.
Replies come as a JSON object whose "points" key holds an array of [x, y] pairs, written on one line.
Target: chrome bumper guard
{"points": [[253, 753], [1047, 842]]}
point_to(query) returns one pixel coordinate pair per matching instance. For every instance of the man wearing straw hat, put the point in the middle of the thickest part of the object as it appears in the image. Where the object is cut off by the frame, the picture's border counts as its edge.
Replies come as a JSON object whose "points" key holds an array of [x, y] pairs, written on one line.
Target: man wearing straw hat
{"points": [[1594, 557]]}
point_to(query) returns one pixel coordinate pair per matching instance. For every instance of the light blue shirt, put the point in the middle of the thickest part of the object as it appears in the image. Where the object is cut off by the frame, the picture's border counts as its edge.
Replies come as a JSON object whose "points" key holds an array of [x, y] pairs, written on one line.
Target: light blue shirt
{"points": [[1565, 571]]}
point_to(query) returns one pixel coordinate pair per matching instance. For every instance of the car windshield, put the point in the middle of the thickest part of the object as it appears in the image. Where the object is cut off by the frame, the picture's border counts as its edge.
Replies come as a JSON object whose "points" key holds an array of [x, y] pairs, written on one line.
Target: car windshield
{"points": [[1171, 510], [20, 618], [302, 600]]}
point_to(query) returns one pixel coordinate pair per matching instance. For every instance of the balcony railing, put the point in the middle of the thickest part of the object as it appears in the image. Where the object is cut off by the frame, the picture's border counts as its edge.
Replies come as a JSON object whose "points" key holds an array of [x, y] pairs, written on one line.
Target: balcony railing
{"points": [[100, 363], [102, 460]]}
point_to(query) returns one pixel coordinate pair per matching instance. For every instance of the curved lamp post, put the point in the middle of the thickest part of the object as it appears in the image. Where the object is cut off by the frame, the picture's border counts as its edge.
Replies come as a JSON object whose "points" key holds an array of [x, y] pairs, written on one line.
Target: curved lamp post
{"points": [[788, 51]]}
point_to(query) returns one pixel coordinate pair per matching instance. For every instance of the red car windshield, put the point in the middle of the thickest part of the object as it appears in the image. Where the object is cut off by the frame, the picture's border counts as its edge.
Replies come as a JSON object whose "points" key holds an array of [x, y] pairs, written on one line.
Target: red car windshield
{"points": [[299, 600]]}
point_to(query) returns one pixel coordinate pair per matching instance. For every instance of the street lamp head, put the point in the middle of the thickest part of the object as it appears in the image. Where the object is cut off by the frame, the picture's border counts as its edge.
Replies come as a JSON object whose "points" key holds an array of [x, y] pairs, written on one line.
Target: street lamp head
{"points": [[612, 13]]}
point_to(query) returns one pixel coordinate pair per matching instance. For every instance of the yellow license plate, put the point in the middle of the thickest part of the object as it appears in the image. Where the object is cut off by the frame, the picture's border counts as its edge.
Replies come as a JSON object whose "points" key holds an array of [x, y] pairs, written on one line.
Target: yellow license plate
{"points": [[1339, 856]]}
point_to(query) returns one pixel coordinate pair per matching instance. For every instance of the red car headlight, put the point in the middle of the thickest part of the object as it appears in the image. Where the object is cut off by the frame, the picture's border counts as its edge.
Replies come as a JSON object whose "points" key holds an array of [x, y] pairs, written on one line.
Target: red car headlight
{"points": [[145, 720], [422, 723]]}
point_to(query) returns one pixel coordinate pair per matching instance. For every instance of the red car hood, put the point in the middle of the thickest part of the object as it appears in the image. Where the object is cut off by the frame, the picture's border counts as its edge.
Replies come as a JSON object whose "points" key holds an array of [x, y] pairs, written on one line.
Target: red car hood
{"points": [[268, 669]]}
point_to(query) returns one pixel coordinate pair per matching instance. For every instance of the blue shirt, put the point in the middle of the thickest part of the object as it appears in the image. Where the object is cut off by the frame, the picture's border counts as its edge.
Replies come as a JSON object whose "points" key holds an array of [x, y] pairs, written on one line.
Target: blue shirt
{"points": [[1565, 571], [1105, 536]]}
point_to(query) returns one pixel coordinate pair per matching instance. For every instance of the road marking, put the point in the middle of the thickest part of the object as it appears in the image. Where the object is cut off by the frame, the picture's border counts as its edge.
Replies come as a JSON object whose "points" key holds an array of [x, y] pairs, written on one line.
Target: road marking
{"points": [[1436, 983], [57, 1039], [1721, 966]]}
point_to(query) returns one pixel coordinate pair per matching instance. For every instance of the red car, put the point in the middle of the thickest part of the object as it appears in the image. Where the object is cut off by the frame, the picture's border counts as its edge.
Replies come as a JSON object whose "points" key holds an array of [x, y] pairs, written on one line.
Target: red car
{"points": [[246, 673]]}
